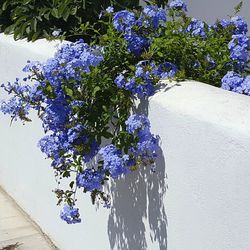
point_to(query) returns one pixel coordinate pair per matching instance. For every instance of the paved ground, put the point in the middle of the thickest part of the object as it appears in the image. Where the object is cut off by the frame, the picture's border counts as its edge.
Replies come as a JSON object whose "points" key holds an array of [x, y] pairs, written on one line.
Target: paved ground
{"points": [[17, 231]]}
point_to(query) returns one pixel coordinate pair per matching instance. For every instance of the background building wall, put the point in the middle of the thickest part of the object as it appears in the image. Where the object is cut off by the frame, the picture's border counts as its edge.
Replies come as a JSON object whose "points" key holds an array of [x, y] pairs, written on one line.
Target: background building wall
{"points": [[211, 10], [216, 9]]}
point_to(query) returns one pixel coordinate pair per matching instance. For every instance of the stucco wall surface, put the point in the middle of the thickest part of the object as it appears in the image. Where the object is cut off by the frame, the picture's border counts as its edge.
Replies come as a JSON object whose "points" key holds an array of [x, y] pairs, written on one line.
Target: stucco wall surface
{"points": [[198, 199]]}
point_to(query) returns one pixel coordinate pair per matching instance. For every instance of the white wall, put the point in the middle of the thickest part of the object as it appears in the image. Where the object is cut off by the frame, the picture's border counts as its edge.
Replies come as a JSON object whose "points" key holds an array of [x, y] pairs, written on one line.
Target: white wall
{"points": [[198, 199]]}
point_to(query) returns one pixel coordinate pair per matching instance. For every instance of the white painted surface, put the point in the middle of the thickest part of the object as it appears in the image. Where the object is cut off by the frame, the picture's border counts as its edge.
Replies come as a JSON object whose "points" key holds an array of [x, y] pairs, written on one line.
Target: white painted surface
{"points": [[205, 137]]}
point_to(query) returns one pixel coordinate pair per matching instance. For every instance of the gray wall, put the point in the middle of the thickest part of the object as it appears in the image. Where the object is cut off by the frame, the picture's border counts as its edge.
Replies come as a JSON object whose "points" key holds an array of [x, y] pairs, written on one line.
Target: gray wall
{"points": [[210, 10]]}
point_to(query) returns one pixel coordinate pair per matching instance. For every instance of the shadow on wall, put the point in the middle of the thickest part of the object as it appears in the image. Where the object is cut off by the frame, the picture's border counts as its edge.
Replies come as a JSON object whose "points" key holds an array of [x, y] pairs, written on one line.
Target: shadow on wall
{"points": [[137, 206]]}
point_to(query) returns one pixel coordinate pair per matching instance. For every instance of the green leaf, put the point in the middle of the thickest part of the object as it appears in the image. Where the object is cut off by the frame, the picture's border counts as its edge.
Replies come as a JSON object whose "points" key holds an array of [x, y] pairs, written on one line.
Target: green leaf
{"points": [[34, 25], [66, 174], [69, 91], [238, 7], [54, 13], [71, 184], [5, 5], [96, 89], [107, 134]]}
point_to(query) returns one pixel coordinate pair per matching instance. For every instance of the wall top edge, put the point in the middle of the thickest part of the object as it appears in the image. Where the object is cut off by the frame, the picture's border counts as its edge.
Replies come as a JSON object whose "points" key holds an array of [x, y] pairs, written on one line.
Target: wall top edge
{"points": [[205, 102], [41, 47]]}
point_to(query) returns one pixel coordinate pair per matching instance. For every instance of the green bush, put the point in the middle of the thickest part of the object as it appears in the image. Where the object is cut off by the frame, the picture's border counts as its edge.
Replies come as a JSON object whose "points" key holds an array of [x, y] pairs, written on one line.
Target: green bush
{"points": [[33, 19]]}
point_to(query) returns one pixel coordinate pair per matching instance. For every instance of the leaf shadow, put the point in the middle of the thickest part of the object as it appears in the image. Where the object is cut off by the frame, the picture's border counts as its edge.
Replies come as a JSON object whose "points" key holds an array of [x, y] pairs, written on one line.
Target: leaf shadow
{"points": [[138, 218]]}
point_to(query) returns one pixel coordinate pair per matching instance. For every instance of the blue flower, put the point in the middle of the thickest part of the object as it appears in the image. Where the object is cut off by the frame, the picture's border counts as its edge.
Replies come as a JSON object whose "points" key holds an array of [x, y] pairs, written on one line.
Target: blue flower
{"points": [[110, 9], [178, 5], [131, 85], [152, 16], [50, 145], [113, 161], [233, 82], [69, 61], [146, 74], [196, 28], [124, 20], [211, 62], [74, 133], [15, 107], [166, 70], [56, 32], [57, 115], [120, 81], [238, 47], [142, 86], [246, 85], [240, 25], [90, 179], [137, 122], [196, 65], [94, 148], [70, 214], [147, 146], [136, 44], [225, 23], [32, 66]]}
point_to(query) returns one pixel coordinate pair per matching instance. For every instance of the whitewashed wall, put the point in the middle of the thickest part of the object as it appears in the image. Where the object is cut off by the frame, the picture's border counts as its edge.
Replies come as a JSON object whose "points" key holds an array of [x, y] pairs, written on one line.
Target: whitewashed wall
{"points": [[198, 199]]}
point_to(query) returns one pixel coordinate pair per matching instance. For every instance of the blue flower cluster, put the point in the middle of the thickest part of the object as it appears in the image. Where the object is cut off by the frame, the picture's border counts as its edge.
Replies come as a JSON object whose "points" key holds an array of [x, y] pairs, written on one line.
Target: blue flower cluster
{"points": [[196, 28], [70, 214], [19, 105], [136, 123], [15, 107], [239, 46], [90, 179], [56, 112], [144, 149], [178, 5], [70, 62], [146, 75], [147, 146], [235, 82], [224, 23], [113, 161], [136, 44], [124, 20], [150, 19], [62, 145], [240, 26]]}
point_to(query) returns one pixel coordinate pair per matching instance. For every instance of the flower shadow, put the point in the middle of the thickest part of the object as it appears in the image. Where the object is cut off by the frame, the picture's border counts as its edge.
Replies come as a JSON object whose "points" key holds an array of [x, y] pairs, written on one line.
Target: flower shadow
{"points": [[137, 218]]}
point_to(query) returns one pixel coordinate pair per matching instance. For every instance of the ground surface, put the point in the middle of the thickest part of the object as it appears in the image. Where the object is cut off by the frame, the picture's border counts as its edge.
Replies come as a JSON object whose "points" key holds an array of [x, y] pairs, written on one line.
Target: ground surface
{"points": [[17, 231]]}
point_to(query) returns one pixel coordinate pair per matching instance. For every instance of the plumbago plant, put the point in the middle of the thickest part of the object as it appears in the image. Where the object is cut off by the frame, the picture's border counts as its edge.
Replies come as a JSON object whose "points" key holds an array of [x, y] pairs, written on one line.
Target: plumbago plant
{"points": [[85, 94]]}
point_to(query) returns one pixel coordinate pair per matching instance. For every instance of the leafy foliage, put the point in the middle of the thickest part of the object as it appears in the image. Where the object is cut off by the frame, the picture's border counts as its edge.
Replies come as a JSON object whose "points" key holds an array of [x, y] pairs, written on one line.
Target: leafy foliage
{"points": [[35, 19]]}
